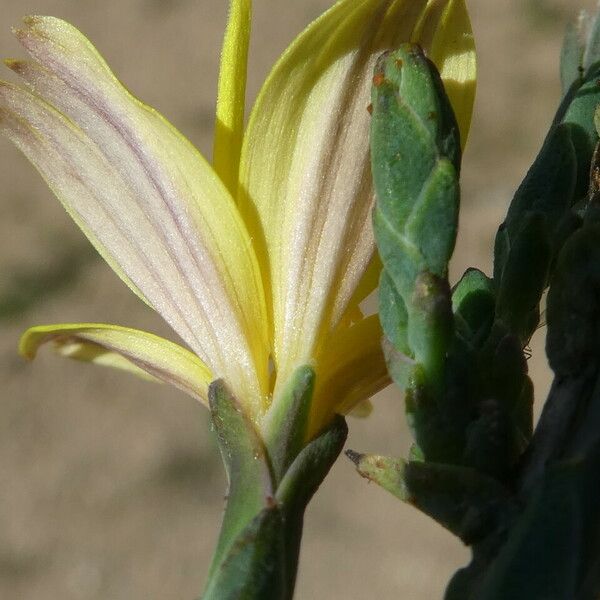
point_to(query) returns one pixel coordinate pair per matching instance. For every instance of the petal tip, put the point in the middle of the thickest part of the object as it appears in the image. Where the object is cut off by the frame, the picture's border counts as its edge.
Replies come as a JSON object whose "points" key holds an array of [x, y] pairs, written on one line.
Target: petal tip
{"points": [[27, 350], [33, 26], [20, 34], [32, 20], [14, 64], [41, 24]]}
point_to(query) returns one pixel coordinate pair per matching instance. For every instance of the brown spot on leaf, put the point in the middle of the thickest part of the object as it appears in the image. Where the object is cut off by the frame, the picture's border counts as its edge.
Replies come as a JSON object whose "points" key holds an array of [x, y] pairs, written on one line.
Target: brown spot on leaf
{"points": [[378, 79]]}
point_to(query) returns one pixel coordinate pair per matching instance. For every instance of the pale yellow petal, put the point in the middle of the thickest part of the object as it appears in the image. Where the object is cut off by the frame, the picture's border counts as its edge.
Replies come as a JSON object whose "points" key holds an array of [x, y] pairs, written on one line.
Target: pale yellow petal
{"points": [[365, 287], [306, 188], [151, 202], [350, 369], [362, 410], [138, 352], [229, 126]]}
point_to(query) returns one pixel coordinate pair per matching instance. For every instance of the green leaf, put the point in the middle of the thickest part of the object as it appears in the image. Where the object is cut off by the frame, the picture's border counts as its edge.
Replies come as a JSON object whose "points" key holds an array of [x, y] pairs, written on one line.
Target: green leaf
{"points": [[430, 327], [461, 499], [571, 57], [308, 470], [394, 321], [385, 471], [559, 177], [591, 54], [572, 305], [400, 257], [525, 276], [400, 366], [551, 529], [287, 423], [432, 225], [491, 444], [508, 371], [254, 567], [415, 149], [393, 314], [248, 472], [473, 304], [548, 187], [579, 117], [300, 483]]}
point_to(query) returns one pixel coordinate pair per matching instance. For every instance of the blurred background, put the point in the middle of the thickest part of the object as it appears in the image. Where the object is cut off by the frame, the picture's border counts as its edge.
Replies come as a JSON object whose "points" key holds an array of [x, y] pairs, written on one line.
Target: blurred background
{"points": [[111, 487]]}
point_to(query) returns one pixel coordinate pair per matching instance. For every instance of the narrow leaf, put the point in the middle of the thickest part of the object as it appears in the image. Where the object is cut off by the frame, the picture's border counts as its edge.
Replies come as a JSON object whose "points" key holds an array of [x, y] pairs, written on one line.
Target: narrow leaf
{"points": [[248, 472]]}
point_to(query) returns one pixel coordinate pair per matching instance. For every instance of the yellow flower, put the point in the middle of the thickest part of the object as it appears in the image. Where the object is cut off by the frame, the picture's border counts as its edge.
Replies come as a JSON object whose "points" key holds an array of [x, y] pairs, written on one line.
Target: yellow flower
{"points": [[259, 261]]}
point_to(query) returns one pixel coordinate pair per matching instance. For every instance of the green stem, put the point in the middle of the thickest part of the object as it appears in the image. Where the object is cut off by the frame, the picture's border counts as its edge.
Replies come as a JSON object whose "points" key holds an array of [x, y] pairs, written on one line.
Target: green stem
{"points": [[256, 557]]}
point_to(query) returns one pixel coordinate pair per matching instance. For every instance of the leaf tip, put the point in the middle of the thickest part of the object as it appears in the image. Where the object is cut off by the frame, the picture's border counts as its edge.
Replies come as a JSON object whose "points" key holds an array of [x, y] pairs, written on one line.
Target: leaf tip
{"points": [[354, 456]]}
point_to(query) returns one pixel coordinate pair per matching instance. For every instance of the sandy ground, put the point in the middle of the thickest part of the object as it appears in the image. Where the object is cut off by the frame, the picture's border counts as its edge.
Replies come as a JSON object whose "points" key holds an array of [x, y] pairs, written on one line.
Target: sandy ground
{"points": [[112, 488]]}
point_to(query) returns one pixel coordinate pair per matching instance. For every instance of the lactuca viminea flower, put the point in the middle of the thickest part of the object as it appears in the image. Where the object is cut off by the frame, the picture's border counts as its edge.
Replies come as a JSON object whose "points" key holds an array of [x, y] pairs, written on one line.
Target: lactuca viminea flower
{"points": [[259, 260]]}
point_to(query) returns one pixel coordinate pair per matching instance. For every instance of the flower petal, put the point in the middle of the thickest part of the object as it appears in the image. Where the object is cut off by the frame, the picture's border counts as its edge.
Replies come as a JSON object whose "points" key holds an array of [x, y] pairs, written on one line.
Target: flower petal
{"points": [[137, 352], [229, 127], [362, 410], [350, 369], [305, 178], [367, 284], [150, 200]]}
